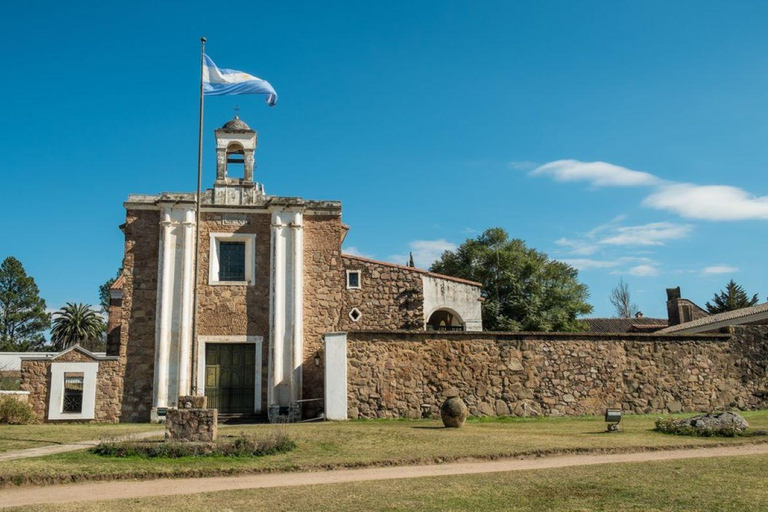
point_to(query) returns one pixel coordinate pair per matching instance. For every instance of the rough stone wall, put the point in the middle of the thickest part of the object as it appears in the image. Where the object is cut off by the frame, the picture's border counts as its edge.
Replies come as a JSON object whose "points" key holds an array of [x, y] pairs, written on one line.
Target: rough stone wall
{"points": [[114, 322], [137, 332], [236, 310], [36, 378], [394, 374], [191, 425], [323, 285], [390, 297]]}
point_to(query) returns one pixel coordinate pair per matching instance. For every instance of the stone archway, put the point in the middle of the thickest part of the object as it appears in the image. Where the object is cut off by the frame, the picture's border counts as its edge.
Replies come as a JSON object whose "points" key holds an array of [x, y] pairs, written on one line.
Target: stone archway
{"points": [[445, 320]]}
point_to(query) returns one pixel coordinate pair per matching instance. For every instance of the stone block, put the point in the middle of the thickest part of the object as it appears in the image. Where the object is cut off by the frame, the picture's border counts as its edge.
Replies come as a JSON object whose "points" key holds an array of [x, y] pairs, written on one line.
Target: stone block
{"points": [[191, 425]]}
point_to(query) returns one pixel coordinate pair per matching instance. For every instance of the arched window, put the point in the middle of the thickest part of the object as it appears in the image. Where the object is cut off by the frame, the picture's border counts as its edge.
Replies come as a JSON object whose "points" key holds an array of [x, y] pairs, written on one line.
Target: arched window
{"points": [[445, 320]]}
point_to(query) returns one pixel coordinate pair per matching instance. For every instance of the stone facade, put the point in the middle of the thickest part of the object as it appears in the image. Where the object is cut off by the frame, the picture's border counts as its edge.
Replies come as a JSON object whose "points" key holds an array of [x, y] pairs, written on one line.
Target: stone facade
{"points": [[191, 425], [139, 305], [394, 374]]}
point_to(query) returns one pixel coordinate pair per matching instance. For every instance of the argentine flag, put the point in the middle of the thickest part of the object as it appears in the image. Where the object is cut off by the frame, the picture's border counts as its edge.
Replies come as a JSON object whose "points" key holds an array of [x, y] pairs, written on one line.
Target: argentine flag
{"points": [[221, 82]]}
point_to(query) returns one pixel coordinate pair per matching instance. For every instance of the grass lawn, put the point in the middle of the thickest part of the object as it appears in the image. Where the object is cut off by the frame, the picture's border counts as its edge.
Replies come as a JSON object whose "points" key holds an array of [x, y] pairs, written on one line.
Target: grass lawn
{"points": [[717, 484], [20, 437], [380, 442]]}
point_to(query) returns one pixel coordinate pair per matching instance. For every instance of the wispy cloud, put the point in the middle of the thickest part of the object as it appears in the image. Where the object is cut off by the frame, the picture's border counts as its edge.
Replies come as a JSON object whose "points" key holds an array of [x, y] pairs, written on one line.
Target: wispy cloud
{"points": [[655, 233], [645, 270], [522, 165], [615, 263], [711, 202], [720, 269], [689, 200], [597, 174], [578, 247], [425, 252]]}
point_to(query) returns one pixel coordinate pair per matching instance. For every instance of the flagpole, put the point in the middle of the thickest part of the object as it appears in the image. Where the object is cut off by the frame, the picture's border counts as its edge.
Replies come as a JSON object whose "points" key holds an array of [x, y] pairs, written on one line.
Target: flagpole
{"points": [[198, 202]]}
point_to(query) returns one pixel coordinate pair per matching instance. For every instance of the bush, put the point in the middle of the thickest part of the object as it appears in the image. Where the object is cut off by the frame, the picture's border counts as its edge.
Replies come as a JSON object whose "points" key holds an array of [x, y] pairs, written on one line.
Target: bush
{"points": [[678, 427], [244, 445], [15, 412]]}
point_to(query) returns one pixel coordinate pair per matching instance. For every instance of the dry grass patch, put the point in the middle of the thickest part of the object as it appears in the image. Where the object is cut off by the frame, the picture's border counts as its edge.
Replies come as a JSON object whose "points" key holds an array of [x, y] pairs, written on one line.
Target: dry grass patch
{"points": [[719, 484], [376, 443], [20, 437]]}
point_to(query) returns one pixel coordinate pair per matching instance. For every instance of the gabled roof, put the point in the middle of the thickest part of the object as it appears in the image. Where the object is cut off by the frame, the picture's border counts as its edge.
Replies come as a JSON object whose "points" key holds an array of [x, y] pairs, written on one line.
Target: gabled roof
{"points": [[118, 284], [414, 269], [753, 314], [47, 356], [620, 325]]}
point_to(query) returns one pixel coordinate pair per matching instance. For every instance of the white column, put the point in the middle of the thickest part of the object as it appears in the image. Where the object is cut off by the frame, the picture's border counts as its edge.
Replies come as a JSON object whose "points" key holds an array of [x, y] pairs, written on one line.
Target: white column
{"points": [[277, 309], [297, 306], [187, 285], [163, 326]]}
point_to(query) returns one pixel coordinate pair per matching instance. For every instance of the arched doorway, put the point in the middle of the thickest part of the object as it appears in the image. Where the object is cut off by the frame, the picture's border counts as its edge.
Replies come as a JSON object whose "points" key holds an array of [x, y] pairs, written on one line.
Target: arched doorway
{"points": [[445, 320]]}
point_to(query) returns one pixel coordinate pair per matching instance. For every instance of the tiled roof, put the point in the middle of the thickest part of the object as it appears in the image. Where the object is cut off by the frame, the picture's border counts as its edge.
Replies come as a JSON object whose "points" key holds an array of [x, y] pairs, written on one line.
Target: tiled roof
{"points": [[118, 284], [618, 325], [737, 316], [414, 269]]}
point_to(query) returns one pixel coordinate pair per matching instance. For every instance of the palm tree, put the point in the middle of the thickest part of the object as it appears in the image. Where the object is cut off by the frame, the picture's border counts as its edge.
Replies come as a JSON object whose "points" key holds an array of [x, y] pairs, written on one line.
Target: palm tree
{"points": [[76, 323]]}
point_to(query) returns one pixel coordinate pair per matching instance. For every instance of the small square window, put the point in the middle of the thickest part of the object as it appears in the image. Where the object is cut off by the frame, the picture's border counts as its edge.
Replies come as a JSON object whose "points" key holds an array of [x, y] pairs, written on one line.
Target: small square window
{"points": [[231, 261], [353, 279], [73, 393]]}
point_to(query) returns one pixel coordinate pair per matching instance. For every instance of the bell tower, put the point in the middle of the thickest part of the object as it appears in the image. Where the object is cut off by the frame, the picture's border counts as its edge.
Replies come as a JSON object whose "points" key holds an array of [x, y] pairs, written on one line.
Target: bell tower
{"points": [[235, 148]]}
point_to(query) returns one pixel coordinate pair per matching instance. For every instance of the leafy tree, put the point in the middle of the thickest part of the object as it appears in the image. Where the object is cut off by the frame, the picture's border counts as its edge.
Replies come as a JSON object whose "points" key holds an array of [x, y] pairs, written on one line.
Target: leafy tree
{"points": [[622, 301], [104, 291], [23, 318], [523, 288], [733, 297], [77, 323]]}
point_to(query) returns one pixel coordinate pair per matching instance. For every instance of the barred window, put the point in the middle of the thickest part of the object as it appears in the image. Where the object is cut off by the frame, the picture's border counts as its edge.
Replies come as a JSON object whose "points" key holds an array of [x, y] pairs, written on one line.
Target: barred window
{"points": [[231, 261], [73, 393]]}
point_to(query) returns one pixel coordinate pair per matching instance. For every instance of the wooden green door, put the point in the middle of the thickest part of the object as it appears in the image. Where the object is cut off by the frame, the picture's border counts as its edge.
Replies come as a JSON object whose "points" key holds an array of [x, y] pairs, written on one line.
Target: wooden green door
{"points": [[229, 376]]}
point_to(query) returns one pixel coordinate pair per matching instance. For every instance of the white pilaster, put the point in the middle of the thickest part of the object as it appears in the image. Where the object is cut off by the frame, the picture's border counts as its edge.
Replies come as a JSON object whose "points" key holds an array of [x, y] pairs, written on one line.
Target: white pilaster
{"points": [[164, 302], [187, 285], [286, 308]]}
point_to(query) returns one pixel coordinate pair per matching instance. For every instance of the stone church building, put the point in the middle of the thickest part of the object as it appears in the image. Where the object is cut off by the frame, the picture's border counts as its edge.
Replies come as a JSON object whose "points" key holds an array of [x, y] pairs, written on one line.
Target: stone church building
{"points": [[272, 282]]}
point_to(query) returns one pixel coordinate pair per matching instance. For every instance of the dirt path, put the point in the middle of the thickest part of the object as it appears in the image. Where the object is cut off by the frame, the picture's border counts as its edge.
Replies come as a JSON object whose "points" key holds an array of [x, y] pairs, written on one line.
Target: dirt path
{"points": [[120, 490], [71, 447]]}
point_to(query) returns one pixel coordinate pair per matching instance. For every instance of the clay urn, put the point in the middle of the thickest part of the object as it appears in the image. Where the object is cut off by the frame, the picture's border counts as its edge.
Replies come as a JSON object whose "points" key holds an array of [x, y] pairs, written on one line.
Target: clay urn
{"points": [[454, 412]]}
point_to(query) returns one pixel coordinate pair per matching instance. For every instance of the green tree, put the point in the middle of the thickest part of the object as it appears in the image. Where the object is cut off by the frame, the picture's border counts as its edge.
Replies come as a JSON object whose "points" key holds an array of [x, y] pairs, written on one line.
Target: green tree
{"points": [[23, 318], [77, 324], [104, 291], [733, 297], [523, 288]]}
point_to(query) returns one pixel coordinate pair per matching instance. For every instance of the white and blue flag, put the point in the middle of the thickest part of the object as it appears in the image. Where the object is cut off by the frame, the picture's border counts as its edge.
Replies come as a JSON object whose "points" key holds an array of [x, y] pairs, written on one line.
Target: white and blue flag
{"points": [[221, 82]]}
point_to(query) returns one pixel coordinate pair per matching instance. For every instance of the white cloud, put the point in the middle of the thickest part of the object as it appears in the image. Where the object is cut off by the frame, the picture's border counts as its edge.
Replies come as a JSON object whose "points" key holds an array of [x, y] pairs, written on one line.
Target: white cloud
{"points": [[644, 271], [578, 247], [425, 252], [354, 251], [704, 202], [598, 174], [655, 233], [589, 263], [711, 202], [720, 269]]}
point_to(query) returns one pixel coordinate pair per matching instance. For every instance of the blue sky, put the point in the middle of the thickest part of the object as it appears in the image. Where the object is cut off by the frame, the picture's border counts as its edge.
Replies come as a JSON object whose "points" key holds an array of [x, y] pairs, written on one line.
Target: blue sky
{"points": [[628, 138]]}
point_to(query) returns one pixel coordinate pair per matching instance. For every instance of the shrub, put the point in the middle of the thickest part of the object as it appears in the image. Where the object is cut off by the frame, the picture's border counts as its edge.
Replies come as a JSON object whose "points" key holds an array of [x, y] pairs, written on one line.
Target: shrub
{"points": [[15, 412], [244, 445], [678, 427]]}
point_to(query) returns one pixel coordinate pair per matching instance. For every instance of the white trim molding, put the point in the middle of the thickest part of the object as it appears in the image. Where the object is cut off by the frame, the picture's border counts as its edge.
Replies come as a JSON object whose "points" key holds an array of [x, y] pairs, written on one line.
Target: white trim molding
{"points": [[359, 279], [56, 400], [257, 340], [250, 258]]}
